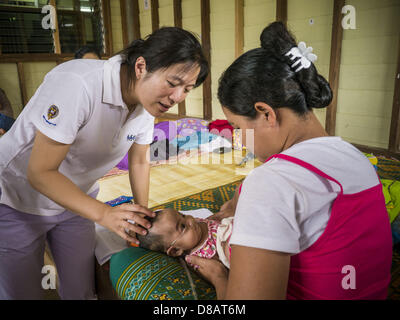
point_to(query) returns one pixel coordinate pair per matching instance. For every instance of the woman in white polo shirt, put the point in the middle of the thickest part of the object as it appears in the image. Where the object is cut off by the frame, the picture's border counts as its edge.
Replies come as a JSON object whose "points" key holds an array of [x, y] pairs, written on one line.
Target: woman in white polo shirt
{"points": [[82, 120]]}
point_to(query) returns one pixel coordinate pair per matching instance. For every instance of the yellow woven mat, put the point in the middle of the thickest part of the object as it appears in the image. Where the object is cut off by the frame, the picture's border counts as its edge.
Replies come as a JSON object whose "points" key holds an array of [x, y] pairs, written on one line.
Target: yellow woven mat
{"points": [[180, 179]]}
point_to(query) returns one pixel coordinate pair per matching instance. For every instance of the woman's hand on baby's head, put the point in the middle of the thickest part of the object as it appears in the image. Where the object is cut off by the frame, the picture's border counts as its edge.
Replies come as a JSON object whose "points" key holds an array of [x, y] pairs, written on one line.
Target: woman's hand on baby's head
{"points": [[116, 220]]}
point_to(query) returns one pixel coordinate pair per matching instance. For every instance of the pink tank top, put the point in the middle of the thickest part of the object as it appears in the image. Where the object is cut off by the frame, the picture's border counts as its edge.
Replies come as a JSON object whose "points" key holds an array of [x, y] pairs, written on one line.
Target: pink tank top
{"points": [[356, 243]]}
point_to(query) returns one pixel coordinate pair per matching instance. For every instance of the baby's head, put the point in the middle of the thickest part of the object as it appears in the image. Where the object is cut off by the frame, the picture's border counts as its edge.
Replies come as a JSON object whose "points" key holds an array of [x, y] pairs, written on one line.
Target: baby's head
{"points": [[171, 232]]}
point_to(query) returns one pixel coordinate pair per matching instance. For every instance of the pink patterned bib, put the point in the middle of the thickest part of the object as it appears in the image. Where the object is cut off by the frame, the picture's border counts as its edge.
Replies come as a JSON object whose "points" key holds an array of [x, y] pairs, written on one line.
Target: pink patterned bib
{"points": [[209, 247]]}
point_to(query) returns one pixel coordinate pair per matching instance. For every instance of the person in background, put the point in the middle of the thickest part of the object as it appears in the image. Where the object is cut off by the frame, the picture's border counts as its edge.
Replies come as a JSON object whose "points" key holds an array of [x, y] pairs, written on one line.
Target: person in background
{"points": [[6, 113], [87, 52]]}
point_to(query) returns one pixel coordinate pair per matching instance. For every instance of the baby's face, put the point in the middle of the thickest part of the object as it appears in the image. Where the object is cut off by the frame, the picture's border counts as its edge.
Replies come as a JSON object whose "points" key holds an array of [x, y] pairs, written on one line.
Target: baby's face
{"points": [[181, 231]]}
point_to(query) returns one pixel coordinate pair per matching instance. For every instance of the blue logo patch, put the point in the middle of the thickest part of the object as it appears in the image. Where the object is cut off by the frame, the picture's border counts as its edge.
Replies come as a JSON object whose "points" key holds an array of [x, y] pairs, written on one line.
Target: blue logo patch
{"points": [[130, 137]]}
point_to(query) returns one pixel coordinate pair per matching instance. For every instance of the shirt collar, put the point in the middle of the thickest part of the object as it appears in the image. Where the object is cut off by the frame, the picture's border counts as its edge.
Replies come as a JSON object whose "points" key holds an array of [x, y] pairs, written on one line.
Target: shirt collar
{"points": [[112, 82]]}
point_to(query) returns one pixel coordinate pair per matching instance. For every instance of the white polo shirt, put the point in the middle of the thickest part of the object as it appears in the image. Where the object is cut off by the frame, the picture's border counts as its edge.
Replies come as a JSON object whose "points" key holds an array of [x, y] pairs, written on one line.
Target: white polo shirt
{"points": [[79, 103]]}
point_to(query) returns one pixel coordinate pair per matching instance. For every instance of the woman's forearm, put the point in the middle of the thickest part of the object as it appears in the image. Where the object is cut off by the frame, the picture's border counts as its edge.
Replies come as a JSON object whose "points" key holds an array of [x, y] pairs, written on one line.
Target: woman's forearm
{"points": [[139, 176], [220, 288], [139, 172], [64, 192]]}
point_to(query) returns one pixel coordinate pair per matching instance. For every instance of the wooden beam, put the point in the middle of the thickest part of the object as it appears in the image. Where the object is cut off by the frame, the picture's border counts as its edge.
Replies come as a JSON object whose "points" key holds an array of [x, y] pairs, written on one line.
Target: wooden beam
{"points": [[394, 138], [106, 10], [378, 151], [124, 25], [239, 27], [81, 31], [206, 43], [155, 20], [136, 19], [32, 57], [56, 33], [334, 67], [22, 86], [178, 13], [178, 23], [281, 11]]}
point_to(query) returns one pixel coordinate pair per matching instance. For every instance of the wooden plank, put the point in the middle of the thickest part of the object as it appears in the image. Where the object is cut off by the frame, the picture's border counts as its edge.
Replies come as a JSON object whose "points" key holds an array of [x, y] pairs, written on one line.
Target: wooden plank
{"points": [[81, 33], [56, 33], [22, 85], [124, 25], [178, 23], [378, 151], [32, 57], [334, 67], [206, 43], [281, 11], [178, 13], [239, 27], [136, 19], [106, 10], [394, 138], [173, 116], [155, 19]]}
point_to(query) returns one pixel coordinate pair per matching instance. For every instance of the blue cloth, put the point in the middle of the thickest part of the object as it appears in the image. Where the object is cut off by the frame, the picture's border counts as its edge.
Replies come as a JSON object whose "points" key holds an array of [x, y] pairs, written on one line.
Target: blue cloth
{"points": [[119, 200], [6, 122], [194, 141]]}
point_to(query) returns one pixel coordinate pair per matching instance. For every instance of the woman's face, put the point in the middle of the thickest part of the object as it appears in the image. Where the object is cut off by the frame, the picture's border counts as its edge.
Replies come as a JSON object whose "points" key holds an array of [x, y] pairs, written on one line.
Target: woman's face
{"points": [[161, 90], [258, 135]]}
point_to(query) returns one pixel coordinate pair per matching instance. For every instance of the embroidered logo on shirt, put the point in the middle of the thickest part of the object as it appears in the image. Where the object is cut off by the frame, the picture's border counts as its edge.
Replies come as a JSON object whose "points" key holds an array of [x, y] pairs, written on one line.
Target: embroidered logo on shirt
{"points": [[52, 112], [130, 137]]}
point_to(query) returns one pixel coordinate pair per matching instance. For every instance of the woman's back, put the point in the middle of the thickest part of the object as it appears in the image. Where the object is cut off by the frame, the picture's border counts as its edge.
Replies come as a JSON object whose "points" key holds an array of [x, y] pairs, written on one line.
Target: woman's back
{"points": [[293, 212]]}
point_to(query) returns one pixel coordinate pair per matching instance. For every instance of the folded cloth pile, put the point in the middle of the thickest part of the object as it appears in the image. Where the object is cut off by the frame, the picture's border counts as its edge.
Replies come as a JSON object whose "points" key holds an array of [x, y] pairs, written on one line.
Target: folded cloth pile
{"points": [[172, 138]]}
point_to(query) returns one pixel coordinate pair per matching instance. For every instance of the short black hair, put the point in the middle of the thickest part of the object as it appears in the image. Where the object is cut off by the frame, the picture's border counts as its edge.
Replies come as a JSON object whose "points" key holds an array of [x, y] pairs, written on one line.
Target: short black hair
{"points": [[86, 49], [163, 48], [151, 240], [265, 75]]}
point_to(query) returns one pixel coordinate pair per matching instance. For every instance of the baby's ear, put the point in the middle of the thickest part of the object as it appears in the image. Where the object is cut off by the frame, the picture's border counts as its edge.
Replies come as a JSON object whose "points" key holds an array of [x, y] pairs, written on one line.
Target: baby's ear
{"points": [[174, 252]]}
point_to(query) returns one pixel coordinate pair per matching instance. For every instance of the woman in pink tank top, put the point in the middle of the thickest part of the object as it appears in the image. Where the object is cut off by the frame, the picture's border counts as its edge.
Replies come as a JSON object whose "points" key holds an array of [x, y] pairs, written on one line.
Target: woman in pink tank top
{"points": [[270, 93]]}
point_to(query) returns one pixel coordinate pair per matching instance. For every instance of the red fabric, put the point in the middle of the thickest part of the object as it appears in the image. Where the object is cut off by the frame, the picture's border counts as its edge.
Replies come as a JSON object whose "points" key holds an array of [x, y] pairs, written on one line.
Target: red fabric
{"points": [[221, 128]]}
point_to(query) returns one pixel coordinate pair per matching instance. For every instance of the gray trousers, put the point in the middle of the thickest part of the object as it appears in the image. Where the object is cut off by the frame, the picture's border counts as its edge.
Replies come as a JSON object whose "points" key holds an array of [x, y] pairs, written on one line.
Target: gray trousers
{"points": [[71, 240]]}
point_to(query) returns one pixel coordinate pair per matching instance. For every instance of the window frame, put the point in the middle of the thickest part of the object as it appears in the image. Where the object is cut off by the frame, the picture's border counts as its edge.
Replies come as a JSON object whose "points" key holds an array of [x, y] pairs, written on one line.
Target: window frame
{"points": [[59, 57]]}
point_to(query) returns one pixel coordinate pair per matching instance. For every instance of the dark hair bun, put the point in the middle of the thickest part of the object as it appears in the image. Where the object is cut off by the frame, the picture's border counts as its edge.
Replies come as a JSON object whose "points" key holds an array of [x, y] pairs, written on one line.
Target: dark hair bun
{"points": [[277, 40], [317, 90], [265, 75]]}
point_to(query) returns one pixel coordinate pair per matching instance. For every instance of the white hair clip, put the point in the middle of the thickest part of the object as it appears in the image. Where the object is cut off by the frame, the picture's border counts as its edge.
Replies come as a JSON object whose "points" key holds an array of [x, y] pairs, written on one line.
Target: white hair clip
{"points": [[304, 53]]}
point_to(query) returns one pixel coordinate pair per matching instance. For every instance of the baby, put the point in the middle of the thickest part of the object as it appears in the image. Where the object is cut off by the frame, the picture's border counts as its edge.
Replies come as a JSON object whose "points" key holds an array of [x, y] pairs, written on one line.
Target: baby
{"points": [[177, 234]]}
